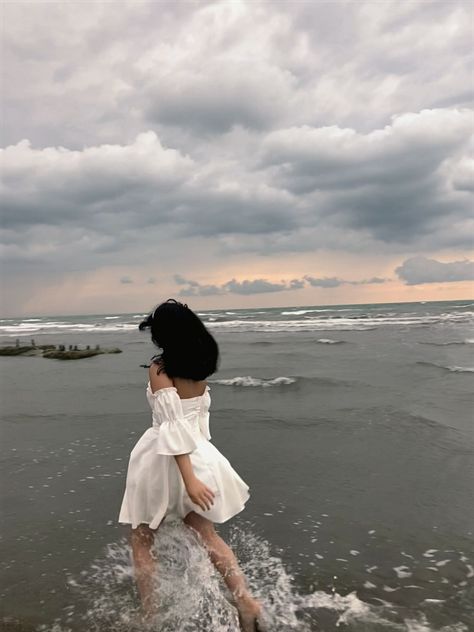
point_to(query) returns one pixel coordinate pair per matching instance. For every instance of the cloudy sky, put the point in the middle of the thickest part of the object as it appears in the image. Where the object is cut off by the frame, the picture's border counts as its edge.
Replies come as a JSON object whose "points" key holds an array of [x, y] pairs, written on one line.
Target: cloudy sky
{"points": [[235, 154]]}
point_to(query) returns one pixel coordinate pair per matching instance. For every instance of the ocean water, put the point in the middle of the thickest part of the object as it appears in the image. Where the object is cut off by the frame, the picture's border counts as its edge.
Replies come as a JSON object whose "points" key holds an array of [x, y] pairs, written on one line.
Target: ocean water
{"points": [[352, 424]]}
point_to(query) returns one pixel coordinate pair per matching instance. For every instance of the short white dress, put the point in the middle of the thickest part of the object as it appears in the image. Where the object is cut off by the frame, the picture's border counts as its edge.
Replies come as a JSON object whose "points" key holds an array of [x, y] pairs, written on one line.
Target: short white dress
{"points": [[154, 490]]}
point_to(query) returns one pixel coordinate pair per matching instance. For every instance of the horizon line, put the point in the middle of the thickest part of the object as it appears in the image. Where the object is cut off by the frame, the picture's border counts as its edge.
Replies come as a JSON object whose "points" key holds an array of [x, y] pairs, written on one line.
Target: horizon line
{"points": [[243, 308]]}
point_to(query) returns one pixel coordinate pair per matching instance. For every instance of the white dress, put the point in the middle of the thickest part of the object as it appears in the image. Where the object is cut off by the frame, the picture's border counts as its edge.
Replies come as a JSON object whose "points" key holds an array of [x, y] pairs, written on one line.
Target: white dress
{"points": [[154, 490]]}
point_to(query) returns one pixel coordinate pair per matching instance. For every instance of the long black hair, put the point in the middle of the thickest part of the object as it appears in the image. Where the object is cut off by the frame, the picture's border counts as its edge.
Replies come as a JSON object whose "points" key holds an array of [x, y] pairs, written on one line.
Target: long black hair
{"points": [[188, 349]]}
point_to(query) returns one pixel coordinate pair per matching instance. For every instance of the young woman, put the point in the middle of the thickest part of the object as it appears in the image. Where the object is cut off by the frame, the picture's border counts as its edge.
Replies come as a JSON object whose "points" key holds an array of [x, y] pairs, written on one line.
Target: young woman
{"points": [[174, 470]]}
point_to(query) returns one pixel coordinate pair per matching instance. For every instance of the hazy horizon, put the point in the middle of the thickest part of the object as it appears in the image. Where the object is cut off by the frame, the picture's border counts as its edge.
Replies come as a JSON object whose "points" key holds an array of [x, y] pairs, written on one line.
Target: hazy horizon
{"points": [[198, 309]]}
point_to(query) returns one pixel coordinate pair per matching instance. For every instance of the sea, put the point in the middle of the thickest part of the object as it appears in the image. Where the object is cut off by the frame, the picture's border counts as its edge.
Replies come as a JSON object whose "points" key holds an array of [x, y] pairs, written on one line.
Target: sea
{"points": [[351, 424]]}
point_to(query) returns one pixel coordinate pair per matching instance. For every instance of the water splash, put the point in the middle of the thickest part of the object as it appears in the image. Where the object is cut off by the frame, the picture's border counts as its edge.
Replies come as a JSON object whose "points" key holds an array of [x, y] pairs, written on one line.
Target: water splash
{"points": [[190, 595]]}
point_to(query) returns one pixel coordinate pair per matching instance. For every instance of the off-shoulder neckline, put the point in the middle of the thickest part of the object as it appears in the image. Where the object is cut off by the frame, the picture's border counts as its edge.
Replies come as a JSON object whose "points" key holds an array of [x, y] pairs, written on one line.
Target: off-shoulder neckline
{"points": [[183, 399]]}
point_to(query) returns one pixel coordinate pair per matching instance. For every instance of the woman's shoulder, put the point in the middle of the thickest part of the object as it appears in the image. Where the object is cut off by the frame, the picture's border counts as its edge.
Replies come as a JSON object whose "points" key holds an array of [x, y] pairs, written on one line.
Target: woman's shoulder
{"points": [[158, 377]]}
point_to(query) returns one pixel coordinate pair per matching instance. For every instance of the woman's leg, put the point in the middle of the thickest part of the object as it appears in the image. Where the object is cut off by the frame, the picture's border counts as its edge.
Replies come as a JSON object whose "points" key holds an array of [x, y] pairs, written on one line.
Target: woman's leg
{"points": [[226, 563], [142, 539]]}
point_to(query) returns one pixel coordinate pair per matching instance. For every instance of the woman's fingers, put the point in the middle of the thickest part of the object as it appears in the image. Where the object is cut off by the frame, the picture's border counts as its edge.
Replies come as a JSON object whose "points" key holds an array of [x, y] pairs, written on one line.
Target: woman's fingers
{"points": [[210, 495], [207, 499]]}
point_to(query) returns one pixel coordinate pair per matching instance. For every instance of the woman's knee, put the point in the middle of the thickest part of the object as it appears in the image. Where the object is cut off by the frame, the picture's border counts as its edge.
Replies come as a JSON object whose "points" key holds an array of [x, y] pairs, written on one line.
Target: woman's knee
{"points": [[202, 525], [142, 535]]}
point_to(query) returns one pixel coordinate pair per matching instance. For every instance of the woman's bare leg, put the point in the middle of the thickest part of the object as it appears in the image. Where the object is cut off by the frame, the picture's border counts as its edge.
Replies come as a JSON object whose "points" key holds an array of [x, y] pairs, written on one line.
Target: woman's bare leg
{"points": [[226, 563], [142, 539]]}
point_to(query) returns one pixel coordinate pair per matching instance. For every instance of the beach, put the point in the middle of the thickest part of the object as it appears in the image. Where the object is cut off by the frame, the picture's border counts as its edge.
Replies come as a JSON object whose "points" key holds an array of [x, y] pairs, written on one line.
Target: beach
{"points": [[352, 425]]}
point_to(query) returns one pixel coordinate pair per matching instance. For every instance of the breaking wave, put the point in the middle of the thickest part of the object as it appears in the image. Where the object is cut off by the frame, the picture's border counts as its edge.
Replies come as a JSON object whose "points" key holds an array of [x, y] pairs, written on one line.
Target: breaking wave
{"points": [[329, 341], [452, 369], [248, 380], [467, 341]]}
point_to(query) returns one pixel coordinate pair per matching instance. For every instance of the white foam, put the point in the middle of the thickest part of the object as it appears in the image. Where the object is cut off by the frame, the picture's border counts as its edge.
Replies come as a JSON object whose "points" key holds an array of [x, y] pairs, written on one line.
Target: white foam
{"points": [[248, 380], [328, 341], [319, 323], [430, 552], [311, 319], [368, 584], [52, 327], [300, 312], [442, 562]]}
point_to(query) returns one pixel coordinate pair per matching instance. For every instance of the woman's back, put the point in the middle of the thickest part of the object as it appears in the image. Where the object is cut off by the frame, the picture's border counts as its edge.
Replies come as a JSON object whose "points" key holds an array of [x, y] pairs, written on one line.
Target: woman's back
{"points": [[188, 389]]}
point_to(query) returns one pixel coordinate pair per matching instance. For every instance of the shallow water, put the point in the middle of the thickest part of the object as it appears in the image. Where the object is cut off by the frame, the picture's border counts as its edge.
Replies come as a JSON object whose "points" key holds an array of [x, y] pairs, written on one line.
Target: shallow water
{"points": [[356, 440], [110, 601]]}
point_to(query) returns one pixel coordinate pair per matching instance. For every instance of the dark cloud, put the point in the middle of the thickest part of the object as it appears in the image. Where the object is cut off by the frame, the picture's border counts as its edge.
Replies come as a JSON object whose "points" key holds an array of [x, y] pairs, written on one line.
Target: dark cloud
{"points": [[262, 286], [325, 282], [126, 279], [336, 282], [208, 99], [225, 128], [396, 186], [369, 281], [296, 284], [389, 181], [257, 286], [417, 270]]}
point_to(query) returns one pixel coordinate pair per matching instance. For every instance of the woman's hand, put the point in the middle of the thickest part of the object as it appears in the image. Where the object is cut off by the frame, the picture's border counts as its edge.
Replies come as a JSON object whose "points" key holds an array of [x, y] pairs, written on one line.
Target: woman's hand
{"points": [[200, 493]]}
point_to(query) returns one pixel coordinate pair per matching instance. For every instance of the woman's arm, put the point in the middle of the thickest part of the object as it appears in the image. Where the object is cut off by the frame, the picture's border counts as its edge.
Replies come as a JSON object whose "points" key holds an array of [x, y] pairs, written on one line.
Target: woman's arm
{"points": [[197, 490]]}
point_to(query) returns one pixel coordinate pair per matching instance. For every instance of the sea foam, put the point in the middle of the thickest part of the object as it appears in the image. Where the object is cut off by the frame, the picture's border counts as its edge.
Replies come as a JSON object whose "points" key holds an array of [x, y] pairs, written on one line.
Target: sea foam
{"points": [[248, 380]]}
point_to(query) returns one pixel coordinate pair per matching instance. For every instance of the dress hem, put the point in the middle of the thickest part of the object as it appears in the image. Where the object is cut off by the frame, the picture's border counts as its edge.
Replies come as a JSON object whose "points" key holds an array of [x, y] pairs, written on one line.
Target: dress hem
{"points": [[221, 521]]}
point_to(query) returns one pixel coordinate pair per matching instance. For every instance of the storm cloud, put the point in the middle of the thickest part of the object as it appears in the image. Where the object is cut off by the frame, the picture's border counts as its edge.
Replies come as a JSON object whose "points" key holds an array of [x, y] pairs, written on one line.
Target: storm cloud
{"points": [[417, 270], [233, 133]]}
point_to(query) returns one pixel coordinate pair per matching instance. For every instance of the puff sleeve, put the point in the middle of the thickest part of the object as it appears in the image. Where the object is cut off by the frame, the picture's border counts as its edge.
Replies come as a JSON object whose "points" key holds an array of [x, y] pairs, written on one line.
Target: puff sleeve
{"points": [[174, 434]]}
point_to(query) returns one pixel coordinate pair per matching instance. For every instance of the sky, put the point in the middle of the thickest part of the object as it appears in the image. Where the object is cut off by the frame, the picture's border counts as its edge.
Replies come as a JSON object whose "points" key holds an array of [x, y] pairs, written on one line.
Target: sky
{"points": [[235, 154]]}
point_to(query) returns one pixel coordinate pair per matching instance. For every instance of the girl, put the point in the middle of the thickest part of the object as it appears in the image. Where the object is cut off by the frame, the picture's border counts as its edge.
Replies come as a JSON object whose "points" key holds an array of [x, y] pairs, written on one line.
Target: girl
{"points": [[174, 470]]}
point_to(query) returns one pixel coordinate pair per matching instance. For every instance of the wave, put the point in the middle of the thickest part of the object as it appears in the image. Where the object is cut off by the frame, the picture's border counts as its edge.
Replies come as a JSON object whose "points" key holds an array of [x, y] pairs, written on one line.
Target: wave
{"points": [[24, 329], [363, 322], [263, 343], [290, 326], [248, 380], [310, 382], [300, 312], [452, 369], [329, 341], [289, 320], [467, 341]]}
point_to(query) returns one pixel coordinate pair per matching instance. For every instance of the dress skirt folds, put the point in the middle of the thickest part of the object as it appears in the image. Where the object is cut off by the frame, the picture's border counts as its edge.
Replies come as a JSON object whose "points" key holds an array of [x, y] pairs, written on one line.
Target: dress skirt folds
{"points": [[154, 490]]}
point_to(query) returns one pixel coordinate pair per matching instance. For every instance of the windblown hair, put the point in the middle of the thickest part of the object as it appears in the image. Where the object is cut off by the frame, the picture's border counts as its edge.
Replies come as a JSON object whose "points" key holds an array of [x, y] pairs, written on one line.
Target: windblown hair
{"points": [[188, 349]]}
